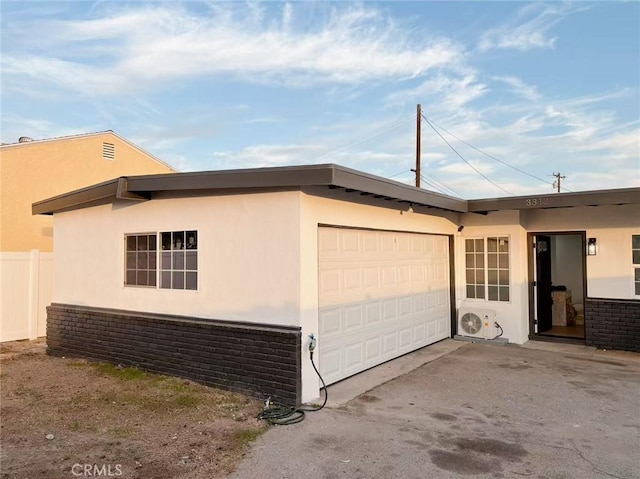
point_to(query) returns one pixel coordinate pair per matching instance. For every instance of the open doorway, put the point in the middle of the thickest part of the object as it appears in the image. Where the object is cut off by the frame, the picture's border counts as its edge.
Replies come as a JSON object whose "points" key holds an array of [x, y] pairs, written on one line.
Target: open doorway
{"points": [[559, 287]]}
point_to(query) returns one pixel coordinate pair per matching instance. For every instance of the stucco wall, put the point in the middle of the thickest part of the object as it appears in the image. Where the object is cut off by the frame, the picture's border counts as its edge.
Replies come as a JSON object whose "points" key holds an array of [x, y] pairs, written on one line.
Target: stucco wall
{"points": [[248, 256], [609, 273], [512, 315], [31, 172]]}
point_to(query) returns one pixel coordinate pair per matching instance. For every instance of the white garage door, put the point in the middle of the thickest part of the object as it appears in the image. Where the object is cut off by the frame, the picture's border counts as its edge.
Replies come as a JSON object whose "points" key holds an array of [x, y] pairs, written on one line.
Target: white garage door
{"points": [[381, 294]]}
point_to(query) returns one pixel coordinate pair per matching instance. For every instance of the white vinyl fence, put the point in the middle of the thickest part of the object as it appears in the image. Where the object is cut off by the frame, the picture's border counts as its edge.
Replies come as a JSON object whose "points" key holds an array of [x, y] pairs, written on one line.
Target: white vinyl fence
{"points": [[26, 289]]}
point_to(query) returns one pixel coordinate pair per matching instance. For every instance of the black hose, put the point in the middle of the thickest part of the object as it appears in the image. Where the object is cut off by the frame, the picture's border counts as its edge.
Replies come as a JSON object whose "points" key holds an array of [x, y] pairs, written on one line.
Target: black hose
{"points": [[286, 415], [501, 330]]}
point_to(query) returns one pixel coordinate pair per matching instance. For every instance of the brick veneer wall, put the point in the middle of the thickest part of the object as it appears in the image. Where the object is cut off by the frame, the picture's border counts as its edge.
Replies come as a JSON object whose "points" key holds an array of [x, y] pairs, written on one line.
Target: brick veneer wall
{"points": [[612, 324], [255, 359]]}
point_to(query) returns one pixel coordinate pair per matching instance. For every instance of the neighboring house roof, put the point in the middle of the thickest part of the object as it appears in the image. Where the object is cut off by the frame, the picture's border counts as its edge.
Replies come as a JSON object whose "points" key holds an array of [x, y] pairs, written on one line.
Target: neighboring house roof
{"points": [[331, 176], [26, 141]]}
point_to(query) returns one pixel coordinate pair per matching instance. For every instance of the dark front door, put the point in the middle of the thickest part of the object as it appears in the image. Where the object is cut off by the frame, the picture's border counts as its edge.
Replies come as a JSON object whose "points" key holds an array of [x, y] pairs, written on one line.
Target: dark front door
{"points": [[543, 282]]}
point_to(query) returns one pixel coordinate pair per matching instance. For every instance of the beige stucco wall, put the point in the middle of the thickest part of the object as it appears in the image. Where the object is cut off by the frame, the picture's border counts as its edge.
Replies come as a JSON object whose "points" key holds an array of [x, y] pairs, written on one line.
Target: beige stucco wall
{"points": [[610, 272], [513, 315], [248, 256], [34, 171]]}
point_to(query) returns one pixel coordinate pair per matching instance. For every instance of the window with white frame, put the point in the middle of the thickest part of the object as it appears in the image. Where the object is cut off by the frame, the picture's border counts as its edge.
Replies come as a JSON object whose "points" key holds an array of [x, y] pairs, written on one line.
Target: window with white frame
{"points": [[487, 268], [141, 260], [635, 258], [177, 259]]}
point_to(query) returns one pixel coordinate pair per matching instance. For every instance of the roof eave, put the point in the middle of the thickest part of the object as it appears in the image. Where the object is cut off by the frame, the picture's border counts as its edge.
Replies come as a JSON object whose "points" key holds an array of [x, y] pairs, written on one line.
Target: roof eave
{"points": [[102, 193], [621, 196]]}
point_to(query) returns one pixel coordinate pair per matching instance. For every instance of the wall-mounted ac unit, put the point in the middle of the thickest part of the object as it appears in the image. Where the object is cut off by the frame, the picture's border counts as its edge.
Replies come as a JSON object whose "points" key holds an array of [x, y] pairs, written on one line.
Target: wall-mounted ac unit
{"points": [[477, 323]]}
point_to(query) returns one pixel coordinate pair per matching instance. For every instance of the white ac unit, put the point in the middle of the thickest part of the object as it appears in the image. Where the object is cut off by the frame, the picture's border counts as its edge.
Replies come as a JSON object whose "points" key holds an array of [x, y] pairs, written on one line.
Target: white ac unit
{"points": [[477, 323]]}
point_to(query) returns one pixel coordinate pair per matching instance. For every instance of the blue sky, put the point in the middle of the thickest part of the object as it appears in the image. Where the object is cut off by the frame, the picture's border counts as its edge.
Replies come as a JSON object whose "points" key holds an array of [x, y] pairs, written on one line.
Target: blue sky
{"points": [[543, 87]]}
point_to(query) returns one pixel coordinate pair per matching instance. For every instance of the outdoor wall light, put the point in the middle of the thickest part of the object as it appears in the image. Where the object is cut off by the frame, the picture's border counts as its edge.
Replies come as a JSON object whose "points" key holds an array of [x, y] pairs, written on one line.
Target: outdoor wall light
{"points": [[592, 247]]}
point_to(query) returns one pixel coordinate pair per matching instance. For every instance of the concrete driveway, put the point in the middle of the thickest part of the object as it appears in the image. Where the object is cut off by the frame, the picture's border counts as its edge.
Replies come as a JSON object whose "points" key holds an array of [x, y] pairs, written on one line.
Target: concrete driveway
{"points": [[479, 410]]}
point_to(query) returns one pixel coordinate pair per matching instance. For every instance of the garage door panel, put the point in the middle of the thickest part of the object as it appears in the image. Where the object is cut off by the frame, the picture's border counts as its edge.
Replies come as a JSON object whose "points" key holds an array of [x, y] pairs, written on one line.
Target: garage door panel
{"points": [[390, 343], [419, 303], [353, 318], [388, 273], [371, 276], [405, 307], [353, 355], [381, 295], [372, 349], [351, 278], [420, 332], [386, 243], [329, 319], [405, 338], [403, 243], [372, 316], [350, 241], [369, 243], [443, 325], [418, 274], [329, 281], [431, 330], [330, 359], [389, 309], [404, 275]]}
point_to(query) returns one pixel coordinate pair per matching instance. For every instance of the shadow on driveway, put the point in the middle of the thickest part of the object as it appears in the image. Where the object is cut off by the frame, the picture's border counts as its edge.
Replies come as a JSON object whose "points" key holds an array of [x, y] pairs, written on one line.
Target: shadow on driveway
{"points": [[481, 411]]}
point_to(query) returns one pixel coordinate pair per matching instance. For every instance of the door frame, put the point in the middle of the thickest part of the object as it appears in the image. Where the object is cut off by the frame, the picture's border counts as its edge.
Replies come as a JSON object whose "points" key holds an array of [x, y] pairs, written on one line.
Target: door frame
{"points": [[531, 278]]}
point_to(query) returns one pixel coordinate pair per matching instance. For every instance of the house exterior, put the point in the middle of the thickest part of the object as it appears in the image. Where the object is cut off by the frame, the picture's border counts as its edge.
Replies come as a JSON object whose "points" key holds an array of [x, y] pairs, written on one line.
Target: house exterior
{"points": [[31, 170], [222, 276]]}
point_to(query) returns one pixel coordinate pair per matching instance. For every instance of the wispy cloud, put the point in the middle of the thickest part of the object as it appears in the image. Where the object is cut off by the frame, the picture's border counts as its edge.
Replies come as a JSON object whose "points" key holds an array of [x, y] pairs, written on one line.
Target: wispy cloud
{"points": [[530, 28], [448, 91], [154, 44], [266, 155], [519, 87]]}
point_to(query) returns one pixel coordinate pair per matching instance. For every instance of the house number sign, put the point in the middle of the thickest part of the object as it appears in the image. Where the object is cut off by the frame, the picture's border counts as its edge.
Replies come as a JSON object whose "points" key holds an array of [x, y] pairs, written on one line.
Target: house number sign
{"points": [[532, 202]]}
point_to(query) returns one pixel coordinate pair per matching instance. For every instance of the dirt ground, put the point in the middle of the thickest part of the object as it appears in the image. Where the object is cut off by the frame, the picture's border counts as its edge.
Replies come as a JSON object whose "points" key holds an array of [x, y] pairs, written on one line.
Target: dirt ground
{"points": [[68, 417]]}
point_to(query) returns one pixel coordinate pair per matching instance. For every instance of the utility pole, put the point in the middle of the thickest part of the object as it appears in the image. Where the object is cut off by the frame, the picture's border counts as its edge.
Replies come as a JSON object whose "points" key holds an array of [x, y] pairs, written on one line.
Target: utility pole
{"points": [[417, 170], [558, 180]]}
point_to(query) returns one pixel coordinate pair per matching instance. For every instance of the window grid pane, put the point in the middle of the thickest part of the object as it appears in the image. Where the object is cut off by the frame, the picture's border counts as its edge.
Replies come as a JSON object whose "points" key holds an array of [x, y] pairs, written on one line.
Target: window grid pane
{"points": [[179, 260], [487, 277], [139, 269], [474, 268]]}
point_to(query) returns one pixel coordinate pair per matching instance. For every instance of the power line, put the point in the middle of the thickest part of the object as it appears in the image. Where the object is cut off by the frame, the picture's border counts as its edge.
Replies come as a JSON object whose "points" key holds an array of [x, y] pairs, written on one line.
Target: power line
{"points": [[439, 186], [382, 130], [432, 185], [463, 159], [494, 158], [399, 173], [444, 185]]}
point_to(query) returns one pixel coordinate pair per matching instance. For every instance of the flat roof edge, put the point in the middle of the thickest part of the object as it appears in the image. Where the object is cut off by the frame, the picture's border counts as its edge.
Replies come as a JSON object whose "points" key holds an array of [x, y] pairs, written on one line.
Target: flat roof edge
{"points": [[558, 200], [76, 199]]}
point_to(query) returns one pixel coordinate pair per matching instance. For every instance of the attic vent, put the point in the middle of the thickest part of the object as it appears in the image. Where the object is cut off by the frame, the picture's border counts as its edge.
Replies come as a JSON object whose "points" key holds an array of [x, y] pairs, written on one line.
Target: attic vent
{"points": [[108, 151]]}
